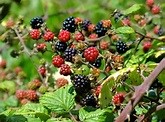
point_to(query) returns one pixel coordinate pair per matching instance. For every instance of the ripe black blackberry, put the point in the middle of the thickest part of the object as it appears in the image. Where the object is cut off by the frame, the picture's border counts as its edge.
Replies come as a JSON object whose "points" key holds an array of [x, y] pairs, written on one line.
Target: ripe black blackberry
{"points": [[69, 24], [88, 100], [60, 46], [97, 63], [100, 30], [81, 84], [156, 84], [36, 22], [85, 24], [121, 47], [69, 53]]}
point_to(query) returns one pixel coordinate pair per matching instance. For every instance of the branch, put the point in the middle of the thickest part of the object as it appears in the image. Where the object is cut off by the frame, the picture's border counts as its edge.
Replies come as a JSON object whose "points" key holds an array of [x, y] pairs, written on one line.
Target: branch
{"points": [[140, 91]]}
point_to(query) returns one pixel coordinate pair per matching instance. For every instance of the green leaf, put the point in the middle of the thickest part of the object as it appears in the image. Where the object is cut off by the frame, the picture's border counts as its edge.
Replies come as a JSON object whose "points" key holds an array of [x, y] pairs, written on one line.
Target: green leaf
{"points": [[9, 86], [133, 9], [32, 108], [125, 30], [91, 115], [11, 101], [159, 53], [60, 101], [59, 120], [161, 77], [16, 118], [30, 119]]}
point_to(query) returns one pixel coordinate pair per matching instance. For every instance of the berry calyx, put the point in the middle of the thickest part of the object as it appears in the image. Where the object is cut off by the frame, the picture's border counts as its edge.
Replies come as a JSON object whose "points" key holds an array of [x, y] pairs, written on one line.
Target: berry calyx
{"points": [[35, 34], [57, 61], [155, 9], [146, 46], [79, 36], [48, 36], [118, 98], [64, 36], [60, 82], [65, 69], [91, 54], [31, 95]]}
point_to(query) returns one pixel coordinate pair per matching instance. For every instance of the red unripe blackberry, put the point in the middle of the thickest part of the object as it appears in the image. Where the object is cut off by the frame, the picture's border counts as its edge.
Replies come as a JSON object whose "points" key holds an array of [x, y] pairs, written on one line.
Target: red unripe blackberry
{"points": [[104, 45], [60, 82], [57, 61], [106, 23], [89, 100], [41, 47], [91, 54], [2, 63], [31, 95], [118, 99], [37, 83], [126, 22], [36, 22], [78, 20], [81, 84], [93, 36], [64, 36], [65, 69], [155, 9], [42, 70], [35, 34], [48, 36], [150, 3], [91, 28], [20, 94], [146, 46], [10, 23], [17, 70], [97, 90], [79, 36]]}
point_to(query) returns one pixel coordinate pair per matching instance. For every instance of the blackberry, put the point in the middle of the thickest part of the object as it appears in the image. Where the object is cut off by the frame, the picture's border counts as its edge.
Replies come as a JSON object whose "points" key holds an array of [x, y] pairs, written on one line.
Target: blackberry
{"points": [[69, 53], [81, 83], [85, 24], [36, 22], [117, 15], [89, 100], [97, 63], [100, 30], [121, 47], [60, 46], [156, 84], [69, 24]]}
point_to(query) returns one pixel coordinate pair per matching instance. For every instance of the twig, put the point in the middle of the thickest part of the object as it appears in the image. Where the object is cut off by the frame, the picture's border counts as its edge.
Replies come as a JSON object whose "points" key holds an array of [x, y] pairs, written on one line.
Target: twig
{"points": [[140, 91], [72, 117], [27, 51], [151, 110]]}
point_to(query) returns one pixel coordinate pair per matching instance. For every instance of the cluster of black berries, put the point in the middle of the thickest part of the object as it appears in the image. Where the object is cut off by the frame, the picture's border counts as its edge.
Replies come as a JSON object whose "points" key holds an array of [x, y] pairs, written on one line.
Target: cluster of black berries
{"points": [[83, 88]]}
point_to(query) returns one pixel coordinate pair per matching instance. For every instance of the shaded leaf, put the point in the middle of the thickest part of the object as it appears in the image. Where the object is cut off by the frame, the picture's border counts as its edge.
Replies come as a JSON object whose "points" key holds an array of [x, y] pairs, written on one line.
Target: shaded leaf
{"points": [[16, 118]]}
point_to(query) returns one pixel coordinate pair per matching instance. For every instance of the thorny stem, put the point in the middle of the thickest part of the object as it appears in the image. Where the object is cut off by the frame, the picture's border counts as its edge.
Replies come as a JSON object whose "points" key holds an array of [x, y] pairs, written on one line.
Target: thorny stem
{"points": [[140, 91], [27, 51]]}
